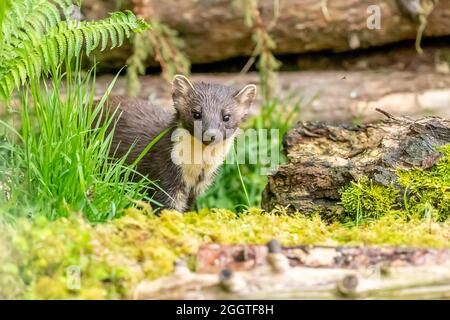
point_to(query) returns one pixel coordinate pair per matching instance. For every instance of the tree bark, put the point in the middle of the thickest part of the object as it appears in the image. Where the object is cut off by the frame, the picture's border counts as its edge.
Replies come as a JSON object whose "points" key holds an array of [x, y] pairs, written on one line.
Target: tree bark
{"points": [[215, 30], [324, 158]]}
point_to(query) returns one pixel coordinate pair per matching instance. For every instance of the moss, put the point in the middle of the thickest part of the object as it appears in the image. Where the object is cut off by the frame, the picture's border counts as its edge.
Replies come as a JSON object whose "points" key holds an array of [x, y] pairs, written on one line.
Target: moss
{"points": [[428, 191], [115, 256], [366, 200], [423, 192]]}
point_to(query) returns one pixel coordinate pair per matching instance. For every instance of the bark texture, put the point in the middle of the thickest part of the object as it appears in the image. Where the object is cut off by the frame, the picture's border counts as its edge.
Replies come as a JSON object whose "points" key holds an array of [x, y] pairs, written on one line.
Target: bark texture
{"points": [[324, 158], [215, 30]]}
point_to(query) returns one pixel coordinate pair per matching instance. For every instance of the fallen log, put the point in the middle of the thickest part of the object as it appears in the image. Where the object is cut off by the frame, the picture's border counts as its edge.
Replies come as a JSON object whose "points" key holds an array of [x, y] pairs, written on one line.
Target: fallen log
{"points": [[331, 96], [324, 158], [216, 30], [307, 272]]}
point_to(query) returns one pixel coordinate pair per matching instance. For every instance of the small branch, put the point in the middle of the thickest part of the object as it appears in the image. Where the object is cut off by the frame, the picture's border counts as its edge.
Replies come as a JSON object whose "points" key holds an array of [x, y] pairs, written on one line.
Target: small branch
{"points": [[387, 114]]}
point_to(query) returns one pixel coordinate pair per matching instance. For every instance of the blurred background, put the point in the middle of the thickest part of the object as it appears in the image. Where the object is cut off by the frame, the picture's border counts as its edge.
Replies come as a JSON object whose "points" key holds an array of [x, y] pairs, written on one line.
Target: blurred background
{"points": [[342, 58]]}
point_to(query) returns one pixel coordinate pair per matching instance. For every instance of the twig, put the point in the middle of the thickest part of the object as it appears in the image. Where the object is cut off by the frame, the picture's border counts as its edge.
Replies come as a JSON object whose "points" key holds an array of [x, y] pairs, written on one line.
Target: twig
{"points": [[387, 114]]}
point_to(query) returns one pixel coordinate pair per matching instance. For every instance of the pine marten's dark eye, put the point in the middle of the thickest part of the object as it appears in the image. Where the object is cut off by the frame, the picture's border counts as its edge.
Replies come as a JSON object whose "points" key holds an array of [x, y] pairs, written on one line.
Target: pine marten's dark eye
{"points": [[226, 117], [196, 115]]}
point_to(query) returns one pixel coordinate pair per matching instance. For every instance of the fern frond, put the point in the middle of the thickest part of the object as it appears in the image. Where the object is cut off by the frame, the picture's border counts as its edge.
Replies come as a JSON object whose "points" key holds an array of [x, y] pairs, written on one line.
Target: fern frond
{"points": [[31, 17], [4, 7], [35, 47]]}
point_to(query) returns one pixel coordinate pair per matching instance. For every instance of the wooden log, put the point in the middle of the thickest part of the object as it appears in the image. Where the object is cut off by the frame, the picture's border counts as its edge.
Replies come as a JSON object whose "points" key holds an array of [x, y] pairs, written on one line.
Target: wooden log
{"points": [[324, 158], [331, 96], [215, 30], [314, 272]]}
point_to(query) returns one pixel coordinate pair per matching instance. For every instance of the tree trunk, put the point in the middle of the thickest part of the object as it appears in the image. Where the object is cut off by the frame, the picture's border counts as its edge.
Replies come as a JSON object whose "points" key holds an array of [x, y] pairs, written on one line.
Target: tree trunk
{"points": [[215, 30], [324, 158]]}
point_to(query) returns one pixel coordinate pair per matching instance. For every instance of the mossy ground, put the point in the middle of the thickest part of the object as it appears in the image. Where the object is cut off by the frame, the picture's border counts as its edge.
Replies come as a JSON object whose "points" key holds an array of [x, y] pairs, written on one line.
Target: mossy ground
{"points": [[114, 257]]}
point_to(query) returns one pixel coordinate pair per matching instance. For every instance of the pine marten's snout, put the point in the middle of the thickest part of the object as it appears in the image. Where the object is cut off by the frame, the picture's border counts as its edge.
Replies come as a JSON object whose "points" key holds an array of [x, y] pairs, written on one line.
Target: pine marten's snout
{"points": [[211, 136]]}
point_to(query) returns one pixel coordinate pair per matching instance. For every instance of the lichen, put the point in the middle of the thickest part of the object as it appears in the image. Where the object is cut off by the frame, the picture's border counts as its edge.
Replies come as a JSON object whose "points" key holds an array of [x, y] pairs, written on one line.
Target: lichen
{"points": [[113, 257]]}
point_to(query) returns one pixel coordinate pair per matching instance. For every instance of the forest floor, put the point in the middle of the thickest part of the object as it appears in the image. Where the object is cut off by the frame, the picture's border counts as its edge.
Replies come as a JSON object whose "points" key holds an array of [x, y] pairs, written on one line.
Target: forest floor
{"points": [[114, 257]]}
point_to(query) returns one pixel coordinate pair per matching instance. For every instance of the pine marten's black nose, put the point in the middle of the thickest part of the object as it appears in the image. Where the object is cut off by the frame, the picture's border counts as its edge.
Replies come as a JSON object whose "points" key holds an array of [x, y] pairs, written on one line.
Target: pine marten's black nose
{"points": [[208, 140], [209, 137]]}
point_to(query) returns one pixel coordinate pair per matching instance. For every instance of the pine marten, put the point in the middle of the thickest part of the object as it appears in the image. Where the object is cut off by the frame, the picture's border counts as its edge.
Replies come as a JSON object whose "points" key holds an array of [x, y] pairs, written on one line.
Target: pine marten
{"points": [[202, 129]]}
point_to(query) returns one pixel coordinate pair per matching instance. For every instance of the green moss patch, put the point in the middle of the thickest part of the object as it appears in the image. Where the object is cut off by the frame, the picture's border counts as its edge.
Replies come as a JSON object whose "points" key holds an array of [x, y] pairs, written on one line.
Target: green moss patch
{"points": [[423, 192], [37, 258]]}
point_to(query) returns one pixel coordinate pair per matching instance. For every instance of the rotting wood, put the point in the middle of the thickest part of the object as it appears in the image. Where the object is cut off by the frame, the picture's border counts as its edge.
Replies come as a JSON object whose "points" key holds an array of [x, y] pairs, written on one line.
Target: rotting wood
{"points": [[323, 158]]}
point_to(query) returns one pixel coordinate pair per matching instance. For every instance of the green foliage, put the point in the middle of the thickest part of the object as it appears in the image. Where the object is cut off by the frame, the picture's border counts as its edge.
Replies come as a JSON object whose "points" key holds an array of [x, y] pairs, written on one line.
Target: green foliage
{"points": [[241, 186], [34, 39], [58, 161], [114, 257], [162, 43], [365, 200], [4, 6], [61, 162], [425, 193]]}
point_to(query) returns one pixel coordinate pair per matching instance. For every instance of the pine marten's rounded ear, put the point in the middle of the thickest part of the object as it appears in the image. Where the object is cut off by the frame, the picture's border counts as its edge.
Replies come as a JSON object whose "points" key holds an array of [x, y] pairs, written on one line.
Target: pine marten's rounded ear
{"points": [[246, 95], [181, 85]]}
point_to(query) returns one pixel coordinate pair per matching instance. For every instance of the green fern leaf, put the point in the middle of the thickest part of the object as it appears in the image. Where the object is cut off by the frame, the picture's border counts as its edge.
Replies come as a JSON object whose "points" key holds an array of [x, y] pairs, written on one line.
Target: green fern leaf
{"points": [[8, 84], [23, 70], [53, 51], [113, 36], [78, 41], [88, 36], [120, 34], [61, 40], [104, 36], [4, 95], [15, 75], [44, 54], [70, 37], [34, 39], [52, 13], [95, 38]]}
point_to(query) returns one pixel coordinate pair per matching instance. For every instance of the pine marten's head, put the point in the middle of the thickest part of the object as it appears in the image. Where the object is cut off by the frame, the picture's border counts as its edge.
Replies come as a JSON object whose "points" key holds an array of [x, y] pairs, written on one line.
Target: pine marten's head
{"points": [[210, 112]]}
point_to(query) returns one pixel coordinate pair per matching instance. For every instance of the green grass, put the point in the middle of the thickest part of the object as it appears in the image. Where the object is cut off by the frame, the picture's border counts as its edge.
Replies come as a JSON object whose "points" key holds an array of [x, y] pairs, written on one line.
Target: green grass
{"points": [[240, 186], [58, 161]]}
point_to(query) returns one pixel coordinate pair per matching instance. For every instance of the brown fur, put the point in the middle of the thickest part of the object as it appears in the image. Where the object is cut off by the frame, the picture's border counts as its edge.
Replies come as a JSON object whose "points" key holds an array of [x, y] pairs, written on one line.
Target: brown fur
{"points": [[139, 122]]}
